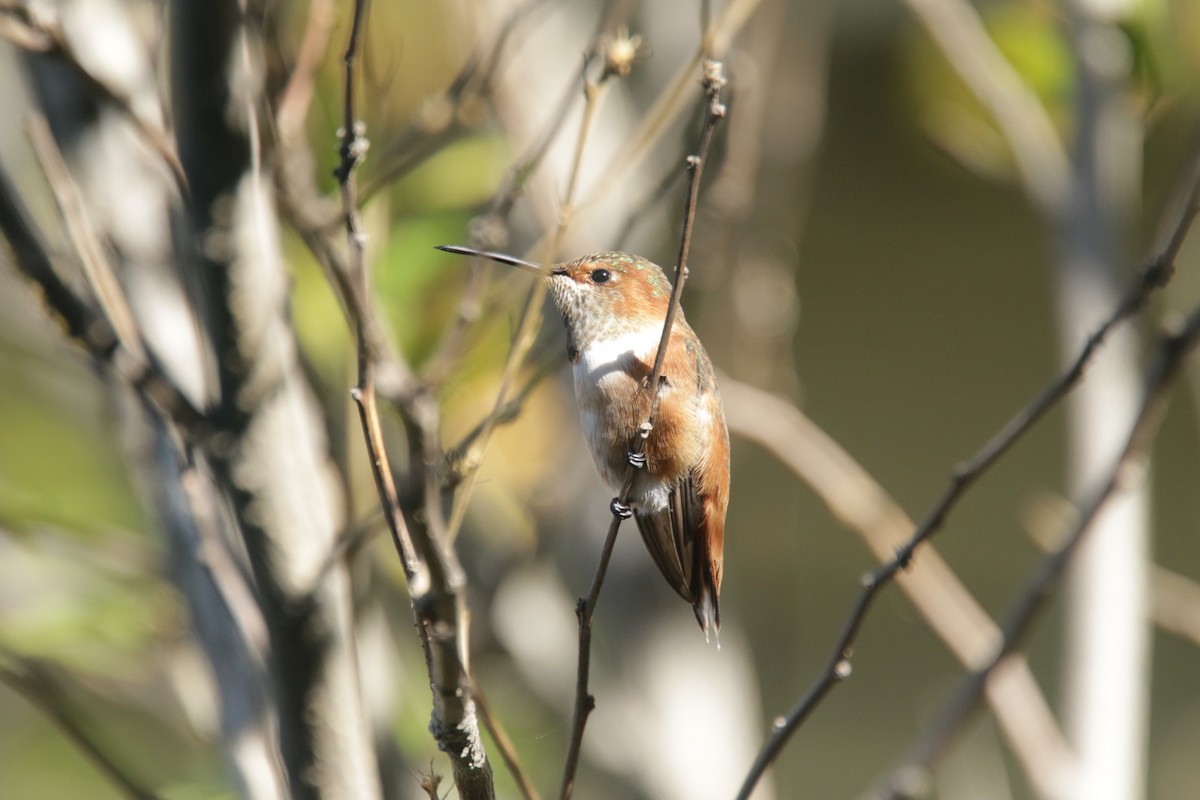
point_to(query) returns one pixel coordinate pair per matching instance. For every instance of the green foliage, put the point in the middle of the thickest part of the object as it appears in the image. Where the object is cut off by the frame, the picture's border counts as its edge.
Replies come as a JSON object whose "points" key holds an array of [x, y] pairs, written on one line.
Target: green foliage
{"points": [[1033, 39]]}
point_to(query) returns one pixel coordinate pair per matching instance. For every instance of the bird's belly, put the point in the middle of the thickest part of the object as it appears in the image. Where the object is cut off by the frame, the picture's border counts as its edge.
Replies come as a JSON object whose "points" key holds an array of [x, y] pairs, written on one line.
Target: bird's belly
{"points": [[608, 414]]}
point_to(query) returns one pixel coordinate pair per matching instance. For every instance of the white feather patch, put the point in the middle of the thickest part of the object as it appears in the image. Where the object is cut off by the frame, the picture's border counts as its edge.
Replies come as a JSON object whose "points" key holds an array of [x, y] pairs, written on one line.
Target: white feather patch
{"points": [[603, 354]]}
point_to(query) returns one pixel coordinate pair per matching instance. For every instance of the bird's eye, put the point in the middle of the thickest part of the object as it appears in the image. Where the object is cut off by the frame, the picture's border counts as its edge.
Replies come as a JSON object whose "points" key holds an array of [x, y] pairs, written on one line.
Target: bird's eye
{"points": [[601, 276]]}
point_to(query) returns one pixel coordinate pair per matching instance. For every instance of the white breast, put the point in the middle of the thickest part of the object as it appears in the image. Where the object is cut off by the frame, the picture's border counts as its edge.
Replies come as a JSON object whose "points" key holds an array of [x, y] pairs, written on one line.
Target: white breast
{"points": [[603, 356]]}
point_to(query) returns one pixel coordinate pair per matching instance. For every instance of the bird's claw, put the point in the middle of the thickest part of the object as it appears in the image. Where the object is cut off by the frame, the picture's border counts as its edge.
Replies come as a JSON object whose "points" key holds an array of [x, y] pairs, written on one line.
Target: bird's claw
{"points": [[637, 460], [620, 509]]}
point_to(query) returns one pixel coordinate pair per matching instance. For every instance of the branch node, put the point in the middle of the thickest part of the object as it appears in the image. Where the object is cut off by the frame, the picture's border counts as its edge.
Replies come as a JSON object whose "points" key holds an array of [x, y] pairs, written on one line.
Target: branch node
{"points": [[1159, 272]]}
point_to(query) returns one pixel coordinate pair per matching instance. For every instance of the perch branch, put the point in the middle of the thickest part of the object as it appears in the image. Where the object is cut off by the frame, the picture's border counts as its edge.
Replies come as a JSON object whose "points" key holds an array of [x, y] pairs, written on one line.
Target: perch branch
{"points": [[713, 82]]}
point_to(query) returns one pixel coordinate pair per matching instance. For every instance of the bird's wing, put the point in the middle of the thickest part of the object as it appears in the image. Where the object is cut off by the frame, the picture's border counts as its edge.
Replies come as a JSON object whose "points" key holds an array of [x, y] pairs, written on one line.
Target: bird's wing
{"points": [[679, 543], [667, 545]]}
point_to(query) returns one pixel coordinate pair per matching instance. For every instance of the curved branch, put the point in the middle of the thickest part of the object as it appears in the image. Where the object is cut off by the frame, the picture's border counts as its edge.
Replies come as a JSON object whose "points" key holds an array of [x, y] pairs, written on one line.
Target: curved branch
{"points": [[1154, 274], [1041, 583]]}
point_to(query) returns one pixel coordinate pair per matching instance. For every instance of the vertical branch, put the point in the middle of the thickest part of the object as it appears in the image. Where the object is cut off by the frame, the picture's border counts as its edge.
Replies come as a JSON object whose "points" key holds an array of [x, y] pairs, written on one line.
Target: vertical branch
{"points": [[435, 579], [1107, 628], [585, 609], [270, 453]]}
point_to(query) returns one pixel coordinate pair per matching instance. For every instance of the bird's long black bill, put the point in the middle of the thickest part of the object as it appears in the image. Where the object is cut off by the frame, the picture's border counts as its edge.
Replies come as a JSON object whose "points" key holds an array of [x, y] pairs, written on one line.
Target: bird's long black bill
{"points": [[503, 258]]}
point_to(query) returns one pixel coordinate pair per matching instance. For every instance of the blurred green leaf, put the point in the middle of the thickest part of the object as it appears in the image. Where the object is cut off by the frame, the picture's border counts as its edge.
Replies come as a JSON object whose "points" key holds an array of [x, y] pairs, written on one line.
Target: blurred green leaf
{"points": [[462, 174], [1031, 41]]}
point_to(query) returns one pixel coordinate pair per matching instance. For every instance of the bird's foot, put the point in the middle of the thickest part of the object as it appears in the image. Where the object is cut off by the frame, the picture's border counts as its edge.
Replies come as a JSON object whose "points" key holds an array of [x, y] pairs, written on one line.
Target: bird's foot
{"points": [[619, 509], [637, 460]]}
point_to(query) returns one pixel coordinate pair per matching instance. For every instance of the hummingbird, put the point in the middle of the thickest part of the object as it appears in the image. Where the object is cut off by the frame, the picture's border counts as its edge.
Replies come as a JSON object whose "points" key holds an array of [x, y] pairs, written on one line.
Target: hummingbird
{"points": [[613, 306]]}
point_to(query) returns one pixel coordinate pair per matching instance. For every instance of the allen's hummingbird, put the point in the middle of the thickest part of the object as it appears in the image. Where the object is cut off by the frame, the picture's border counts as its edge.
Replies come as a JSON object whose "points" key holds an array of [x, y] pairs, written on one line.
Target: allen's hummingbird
{"points": [[614, 305]]}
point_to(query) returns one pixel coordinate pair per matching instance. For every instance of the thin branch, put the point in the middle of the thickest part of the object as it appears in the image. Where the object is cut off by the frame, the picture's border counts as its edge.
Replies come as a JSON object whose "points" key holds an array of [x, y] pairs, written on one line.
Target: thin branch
{"points": [[1174, 597], [96, 267], [455, 470], [352, 149], [861, 504], [672, 102], [1040, 160], [487, 230], [1154, 274], [1175, 604], [434, 577], [440, 120], [504, 743], [1041, 583], [531, 316], [36, 27], [34, 681], [296, 97], [88, 326], [714, 81]]}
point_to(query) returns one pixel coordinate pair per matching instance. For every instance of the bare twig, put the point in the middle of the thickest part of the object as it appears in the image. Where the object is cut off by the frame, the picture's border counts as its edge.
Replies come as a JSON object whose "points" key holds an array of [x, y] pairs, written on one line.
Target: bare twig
{"points": [[670, 104], [440, 121], [297, 94], [504, 743], [531, 316], [96, 267], [1176, 604], [352, 150], [949, 609], [714, 81], [1154, 274], [434, 577], [87, 325], [1040, 585], [455, 471], [487, 230], [1032, 138], [36, 683], [41, 31], [1174, 598]]}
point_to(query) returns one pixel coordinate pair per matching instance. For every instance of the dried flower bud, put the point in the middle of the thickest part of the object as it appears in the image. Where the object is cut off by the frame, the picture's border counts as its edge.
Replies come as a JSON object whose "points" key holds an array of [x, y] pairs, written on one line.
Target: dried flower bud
{"points": [[620, 51]]}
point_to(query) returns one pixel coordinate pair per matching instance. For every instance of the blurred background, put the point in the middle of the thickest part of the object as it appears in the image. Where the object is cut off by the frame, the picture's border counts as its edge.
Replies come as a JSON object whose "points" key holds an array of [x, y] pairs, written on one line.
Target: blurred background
{"points": [[867, 251]]}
